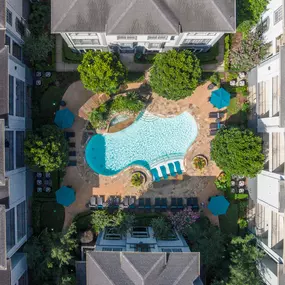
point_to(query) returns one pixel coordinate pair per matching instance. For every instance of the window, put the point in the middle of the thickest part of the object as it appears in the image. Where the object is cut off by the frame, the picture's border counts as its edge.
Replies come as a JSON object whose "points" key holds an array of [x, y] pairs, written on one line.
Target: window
{"points": [[201, 34], [11, 95], [21, 220], [275, 96], [10, 229], [9, 17], [86, 41], [127, 38], [20, 149], [171, 250], [24, 279], [112, 249], [17, 51], [154, 45], [20, 27], [279, 41], [8, 42], [198, 42], [172, 38], [278, 15], [20, 98], [264, 25], [112, 234], [140, 232], [9, 150], [149, 38]]}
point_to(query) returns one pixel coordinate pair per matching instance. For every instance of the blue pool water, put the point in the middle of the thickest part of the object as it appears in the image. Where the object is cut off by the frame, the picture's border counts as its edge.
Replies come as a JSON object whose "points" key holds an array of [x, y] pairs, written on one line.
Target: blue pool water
{"points": [[149, 140]]}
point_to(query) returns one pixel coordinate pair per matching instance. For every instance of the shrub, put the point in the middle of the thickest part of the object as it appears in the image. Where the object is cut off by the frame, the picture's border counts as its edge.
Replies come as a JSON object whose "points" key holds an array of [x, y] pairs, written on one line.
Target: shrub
{"points": [[137, 179], [161, 228], [130, 103], [227, 52], [99, 116], [36, 210], [182, 220], [175, 75], [37, 48], [238, 151], [223, 182], [250, 53], [46, 149], [242, 223], [102, 72], [215, 78], [199, 162], [39, 18]]}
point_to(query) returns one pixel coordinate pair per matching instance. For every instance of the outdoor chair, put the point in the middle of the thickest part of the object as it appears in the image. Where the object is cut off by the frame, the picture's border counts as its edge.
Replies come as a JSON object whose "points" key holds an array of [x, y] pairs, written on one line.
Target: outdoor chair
{"points": [[193, 203], [92, 202], [72, 153], [147, 205], [132, 202], [173, 203], [163, 204], [100, 202], [213, 132], [71, 144], [126, 201], [157, 203], [141, 203], [69, 135], [213, 115]]}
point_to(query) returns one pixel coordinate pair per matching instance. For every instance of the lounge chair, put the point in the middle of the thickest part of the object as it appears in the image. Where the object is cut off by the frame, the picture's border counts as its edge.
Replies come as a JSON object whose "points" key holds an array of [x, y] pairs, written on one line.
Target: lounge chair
{"points": [[92, 202], [163, 171], [71, 144], [141, 203], [132, 203], [126, 201], [100, 201], [193, 203], [213, 115], [180, 203], [69, 135], [173, 203], [172, 169], [178, 167], [213, 132], [72, 153], [157, 203], [155, 175], [147, 205], [163, 203]]}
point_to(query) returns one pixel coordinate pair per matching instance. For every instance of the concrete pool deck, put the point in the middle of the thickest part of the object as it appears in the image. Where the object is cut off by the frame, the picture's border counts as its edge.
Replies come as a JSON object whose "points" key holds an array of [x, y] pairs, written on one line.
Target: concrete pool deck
{"points": [[195, 183]]}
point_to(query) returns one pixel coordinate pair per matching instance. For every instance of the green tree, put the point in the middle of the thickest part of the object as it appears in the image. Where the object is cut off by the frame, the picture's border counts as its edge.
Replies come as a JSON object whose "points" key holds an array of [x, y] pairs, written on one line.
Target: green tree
{"points": [[249, 13], [250, 53], [46, 149], [238, 151], [37, 48], [161, 228], [209, 241], [245, 256], [175, 75], [102, 72]]}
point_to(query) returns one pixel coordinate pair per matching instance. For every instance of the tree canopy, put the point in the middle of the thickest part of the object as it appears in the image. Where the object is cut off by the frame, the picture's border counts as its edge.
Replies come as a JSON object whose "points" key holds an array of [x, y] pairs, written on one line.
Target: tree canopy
{"points": [[249, 13], [46, 149], [238, 151], [102, 72], [175, 74]]}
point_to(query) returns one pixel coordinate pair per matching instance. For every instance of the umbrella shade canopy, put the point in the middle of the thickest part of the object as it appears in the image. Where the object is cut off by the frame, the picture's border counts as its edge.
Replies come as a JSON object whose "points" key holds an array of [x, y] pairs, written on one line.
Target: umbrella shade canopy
{"points": [[220, 98], [218, 205], [65, 196], [64, 118]]}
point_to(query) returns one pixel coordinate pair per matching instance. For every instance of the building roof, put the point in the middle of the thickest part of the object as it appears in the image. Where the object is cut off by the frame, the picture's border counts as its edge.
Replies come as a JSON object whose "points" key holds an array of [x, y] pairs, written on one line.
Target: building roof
{"points": [[5, 275], [3, 260], [2, 14], [4, 79], [143, 16], [134, 268]]}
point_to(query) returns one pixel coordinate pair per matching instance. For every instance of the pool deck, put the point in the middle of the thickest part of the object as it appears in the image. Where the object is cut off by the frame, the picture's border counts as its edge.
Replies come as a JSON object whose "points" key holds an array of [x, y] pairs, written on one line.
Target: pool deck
{"points": [[195, 183]]}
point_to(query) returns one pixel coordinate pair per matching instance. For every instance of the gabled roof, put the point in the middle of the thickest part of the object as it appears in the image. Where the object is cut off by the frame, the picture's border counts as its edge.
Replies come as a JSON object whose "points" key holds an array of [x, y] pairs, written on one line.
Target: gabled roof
{"points": [[143, 16], [2, 14], [133, 268]]}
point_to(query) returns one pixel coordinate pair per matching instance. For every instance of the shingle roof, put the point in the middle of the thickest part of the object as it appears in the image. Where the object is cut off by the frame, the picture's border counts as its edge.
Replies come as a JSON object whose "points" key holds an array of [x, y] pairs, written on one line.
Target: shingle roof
{"points": [[133, 268], [143, 16], [5, 275], [3, 261], [2, 14]]}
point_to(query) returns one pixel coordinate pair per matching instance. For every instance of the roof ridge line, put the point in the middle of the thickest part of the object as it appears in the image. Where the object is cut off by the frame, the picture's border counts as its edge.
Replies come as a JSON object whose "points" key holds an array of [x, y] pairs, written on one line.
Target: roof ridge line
{"points": [[123, 15], [163, 256], [65, 14], [220, 12], [165, 17], [123, 255]]}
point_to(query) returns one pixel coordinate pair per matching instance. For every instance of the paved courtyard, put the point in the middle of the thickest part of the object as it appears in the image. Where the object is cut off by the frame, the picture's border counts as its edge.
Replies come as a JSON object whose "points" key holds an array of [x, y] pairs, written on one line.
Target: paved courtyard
{"points": [[194, 183]]}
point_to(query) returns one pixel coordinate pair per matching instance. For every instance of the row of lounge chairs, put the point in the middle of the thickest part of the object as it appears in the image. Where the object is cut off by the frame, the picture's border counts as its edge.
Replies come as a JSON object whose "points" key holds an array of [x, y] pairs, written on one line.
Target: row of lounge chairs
{"points": [[163, 171], [71, 153], [145, 204], [214, 127]]}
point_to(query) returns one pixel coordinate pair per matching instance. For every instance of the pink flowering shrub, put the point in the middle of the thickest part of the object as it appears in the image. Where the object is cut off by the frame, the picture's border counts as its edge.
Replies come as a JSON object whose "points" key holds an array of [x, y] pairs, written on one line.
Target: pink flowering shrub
{"points": [[183, 219]]}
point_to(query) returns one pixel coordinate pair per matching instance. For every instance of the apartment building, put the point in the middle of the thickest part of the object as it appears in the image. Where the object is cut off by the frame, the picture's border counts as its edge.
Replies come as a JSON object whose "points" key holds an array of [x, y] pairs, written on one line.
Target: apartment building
{"points": [[148, 25], [138, 249], [15, 118], [267, 89]]}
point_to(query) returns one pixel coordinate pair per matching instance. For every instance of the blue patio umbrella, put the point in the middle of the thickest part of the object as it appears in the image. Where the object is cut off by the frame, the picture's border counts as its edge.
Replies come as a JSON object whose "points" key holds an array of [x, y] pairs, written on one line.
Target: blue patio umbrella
{"points": [[65, 196], [218, 205], [220, 98], [64, 118]]}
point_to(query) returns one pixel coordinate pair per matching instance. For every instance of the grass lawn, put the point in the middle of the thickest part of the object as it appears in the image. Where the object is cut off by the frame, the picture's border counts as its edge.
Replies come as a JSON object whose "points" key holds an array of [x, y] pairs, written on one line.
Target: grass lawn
{"points": [[52, 216], [228, 222], [209, 57], [135, 77], [69, 56]]}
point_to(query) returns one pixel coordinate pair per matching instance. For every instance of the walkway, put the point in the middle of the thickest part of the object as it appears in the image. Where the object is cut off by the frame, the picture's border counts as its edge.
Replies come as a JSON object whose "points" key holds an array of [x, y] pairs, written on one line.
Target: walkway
{"points": [[61, 66]]}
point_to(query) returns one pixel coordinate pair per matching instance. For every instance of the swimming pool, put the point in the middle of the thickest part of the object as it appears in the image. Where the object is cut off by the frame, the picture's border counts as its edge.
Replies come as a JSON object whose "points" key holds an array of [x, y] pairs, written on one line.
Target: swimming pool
{"points": [[148, 141]]}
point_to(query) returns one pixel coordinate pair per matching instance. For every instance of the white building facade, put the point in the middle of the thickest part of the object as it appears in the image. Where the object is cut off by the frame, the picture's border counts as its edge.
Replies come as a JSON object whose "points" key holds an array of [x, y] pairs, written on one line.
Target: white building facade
{"points": [[267, 90], [150, 25], [15, 114]]}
